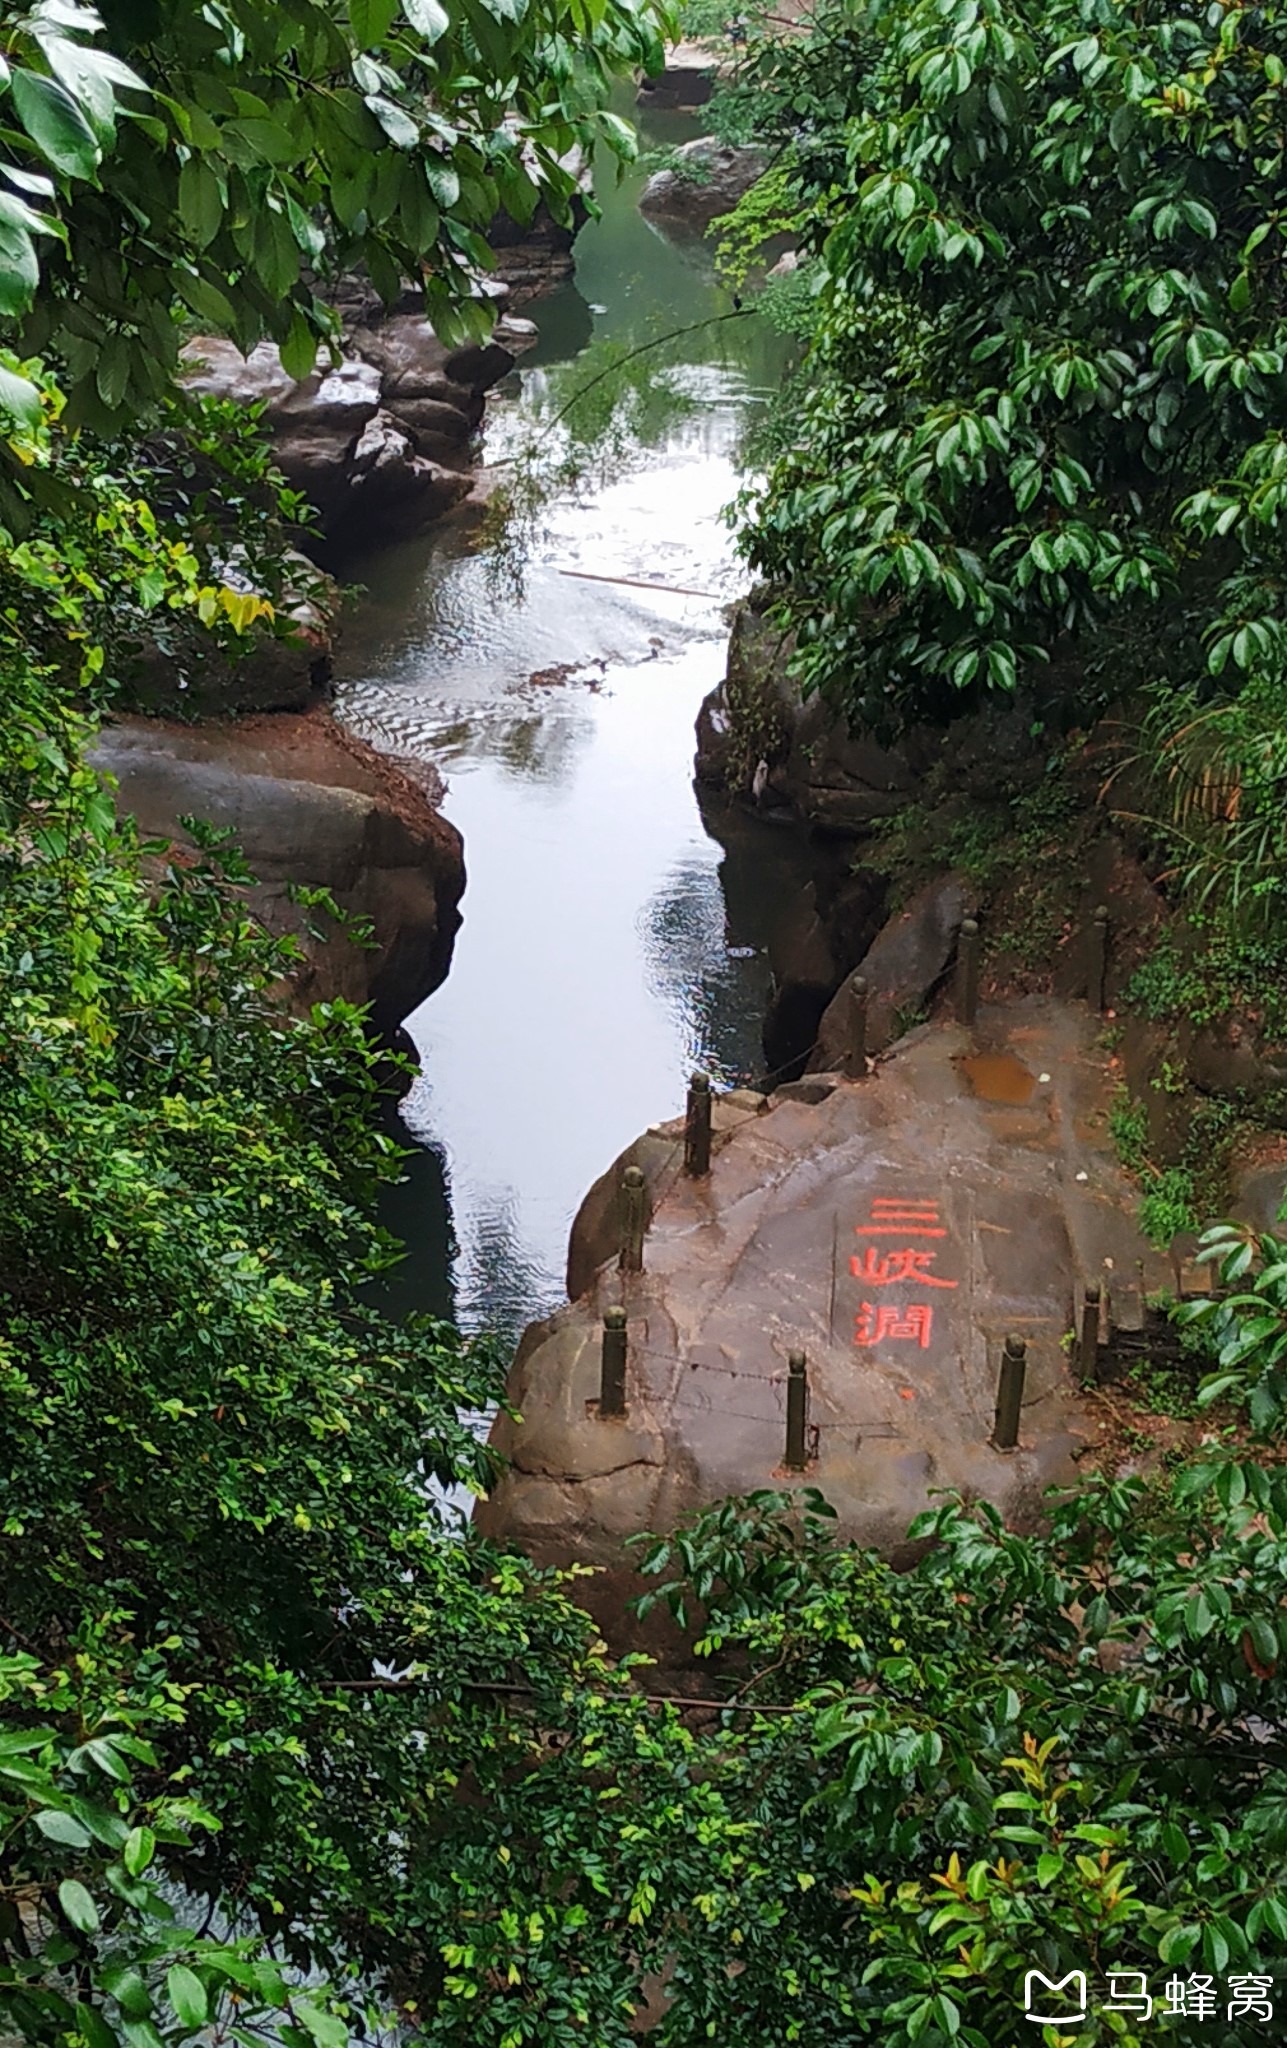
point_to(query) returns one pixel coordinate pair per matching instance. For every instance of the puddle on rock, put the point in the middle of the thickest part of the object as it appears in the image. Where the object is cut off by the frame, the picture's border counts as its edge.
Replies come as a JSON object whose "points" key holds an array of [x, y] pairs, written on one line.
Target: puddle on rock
{"points": [[997, 1076]]}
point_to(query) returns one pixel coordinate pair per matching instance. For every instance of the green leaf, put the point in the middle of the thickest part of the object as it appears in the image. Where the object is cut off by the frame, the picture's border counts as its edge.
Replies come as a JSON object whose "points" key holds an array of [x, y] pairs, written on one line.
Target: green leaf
{"points": [[444, 181], [264, 141], [326, 2028], [138, 1851], [128, 1988], [372, 20], [112, 373], [55, 124], [90, 2023], [187, 1995], [306, 231], [141, 2034], [63, 1827], [78, 1906], [20, 399], [1178, 1943], [1264, 1640], [299, 350], [395, 121], [19, 270], [428, 18], [621, 136], [201, 205], [205, 299]]}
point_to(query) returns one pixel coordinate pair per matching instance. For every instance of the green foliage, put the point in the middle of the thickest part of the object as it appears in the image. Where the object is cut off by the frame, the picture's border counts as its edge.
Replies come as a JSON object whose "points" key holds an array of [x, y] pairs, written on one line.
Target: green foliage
{"points": [[1215, 972], [1245, 1325], [257, 152], [91, 1947], [216, 1533], [267, 1716], [1169, 1205], [1217, 767], [762, 1549], [1185, 1195], [767, 209], [1041, 442]]}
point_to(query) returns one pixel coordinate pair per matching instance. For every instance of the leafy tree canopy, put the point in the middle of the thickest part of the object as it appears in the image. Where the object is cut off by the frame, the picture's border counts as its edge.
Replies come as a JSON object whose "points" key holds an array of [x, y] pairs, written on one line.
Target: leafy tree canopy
{"points": [[1041, 438], [225, 160]]}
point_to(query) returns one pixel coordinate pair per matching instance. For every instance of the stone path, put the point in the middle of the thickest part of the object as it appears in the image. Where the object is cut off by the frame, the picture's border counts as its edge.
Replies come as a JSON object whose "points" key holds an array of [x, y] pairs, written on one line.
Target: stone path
{"points": [[895, 1231]]}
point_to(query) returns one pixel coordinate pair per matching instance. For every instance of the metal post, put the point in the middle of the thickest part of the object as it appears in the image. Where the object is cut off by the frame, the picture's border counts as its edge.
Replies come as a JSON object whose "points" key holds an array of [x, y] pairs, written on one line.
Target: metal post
{"points": [[1088, 1342], [612, 1381], [858, 998], [634, 1202], [1005, 1429], [797, 1409], [1097, 957], [697, 1127], [967, 969]]}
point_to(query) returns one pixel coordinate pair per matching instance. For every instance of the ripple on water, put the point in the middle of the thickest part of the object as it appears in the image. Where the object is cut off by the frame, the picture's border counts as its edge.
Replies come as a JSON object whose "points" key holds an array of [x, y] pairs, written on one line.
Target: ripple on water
{"points": [[601, 956]]}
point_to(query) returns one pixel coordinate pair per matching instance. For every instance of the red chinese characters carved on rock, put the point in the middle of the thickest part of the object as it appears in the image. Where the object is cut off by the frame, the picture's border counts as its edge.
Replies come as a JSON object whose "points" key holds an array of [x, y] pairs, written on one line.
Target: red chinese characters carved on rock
{"points": [[912, 1322]]}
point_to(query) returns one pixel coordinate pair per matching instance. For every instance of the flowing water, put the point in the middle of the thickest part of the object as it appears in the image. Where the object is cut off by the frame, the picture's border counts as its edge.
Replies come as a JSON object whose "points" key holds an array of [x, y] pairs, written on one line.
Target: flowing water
{"points": [[609, 945]]}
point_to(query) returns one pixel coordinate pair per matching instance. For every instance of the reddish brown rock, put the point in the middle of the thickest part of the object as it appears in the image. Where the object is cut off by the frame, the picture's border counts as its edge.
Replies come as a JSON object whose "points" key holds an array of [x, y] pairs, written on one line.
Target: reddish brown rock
{"points": [[310, 804]]}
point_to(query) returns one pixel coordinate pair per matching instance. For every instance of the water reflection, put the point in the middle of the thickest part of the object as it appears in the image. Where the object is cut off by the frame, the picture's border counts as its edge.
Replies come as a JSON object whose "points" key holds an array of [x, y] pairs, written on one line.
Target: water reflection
{"points": [[599, 959]]}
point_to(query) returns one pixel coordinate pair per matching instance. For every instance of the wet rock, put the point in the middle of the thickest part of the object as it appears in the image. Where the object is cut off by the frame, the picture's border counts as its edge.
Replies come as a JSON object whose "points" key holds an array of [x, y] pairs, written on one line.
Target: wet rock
{"points": [[843, 782], [598, 1224], [712, 178], [805, 978], [810, 1088], [1259, 1184], [688, 79], [854, 911], [903, 968], [1002, 1207], [829, 778], [389, 483], [714, 741], [595, 1239], [342, 436], [310, 804], [1231, 1057], [1137, 916]]}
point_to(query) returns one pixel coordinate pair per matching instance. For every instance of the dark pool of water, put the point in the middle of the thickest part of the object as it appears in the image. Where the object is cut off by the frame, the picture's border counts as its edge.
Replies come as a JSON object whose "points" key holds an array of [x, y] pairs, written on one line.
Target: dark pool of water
{"points": [[609, 944]]}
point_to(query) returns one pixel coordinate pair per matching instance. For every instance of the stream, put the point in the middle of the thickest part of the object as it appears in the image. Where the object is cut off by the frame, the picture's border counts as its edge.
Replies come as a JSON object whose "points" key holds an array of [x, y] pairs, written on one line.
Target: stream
{"points": [[609, 944]]}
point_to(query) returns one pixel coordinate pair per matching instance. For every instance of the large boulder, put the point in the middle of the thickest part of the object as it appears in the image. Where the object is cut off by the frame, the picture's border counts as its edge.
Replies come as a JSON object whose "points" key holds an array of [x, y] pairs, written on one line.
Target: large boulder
{"points": [[310, 804], [282, 664], [756, 731], [902, 969], [688, 79], [380, 441], [709, 178], [805, 978], [895, 1230]]}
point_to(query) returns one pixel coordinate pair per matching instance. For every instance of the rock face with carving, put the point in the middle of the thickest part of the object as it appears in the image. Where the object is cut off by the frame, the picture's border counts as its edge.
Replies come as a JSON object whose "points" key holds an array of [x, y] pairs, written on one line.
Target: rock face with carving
{"points": [[895, 1230]]}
